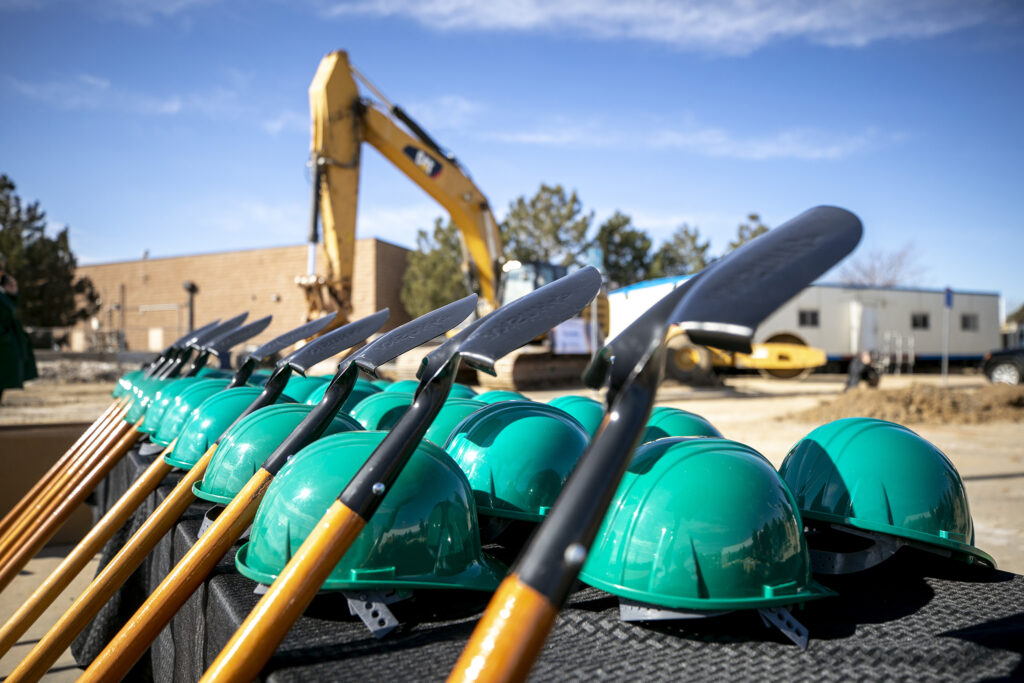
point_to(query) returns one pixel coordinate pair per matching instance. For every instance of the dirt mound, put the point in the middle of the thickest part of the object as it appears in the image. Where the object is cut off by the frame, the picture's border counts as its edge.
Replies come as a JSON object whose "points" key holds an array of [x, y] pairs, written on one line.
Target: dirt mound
{"points": [[922, 403], [75, 371]]}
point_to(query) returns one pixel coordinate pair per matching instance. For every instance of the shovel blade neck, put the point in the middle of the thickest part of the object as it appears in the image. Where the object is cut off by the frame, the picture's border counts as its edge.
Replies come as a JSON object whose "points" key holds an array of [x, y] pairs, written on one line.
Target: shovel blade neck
{"points": [[366, 490]]}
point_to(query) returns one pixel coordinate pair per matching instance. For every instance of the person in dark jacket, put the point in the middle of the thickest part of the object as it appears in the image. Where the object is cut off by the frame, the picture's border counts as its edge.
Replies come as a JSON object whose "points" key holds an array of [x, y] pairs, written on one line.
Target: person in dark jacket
{"points": [[17, 362]]}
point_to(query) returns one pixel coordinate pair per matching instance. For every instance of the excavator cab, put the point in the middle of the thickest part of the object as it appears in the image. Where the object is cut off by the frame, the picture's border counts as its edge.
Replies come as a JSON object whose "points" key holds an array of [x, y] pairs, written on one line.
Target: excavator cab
{"points": [[522, 277]]}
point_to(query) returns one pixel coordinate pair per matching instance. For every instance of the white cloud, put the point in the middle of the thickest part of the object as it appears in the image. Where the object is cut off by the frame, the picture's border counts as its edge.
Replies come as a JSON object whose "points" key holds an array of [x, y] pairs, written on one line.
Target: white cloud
{"points": [[735, 27], [396, 224], [802, 144], [793, 143], [258, 220], [287, 121], [445, 112], [87, 91]]}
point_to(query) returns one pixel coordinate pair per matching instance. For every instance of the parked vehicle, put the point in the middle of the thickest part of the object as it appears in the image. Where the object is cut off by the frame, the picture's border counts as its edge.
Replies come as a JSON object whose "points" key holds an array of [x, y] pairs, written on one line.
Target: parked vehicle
{"points": [[1005, 366]]}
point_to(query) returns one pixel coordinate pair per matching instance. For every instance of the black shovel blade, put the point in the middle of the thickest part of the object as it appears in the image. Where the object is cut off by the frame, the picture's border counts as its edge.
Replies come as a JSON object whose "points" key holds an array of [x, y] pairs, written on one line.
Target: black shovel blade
{"points": [[482, 343], [228, 341], [198, 340], [725, 313], [334, 342], [288, 338], [412, 334], [183, 341]]}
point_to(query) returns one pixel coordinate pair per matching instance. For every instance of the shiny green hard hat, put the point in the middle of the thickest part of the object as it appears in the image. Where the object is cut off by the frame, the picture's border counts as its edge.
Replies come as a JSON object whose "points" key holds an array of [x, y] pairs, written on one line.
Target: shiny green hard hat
{"points": [[382, 410], [702, 524], [165, 399], [143, 393], [586, 410], [181, 410], [452, 413], [299, 387], [497, 395], [360, 390], [244, 447], [423, 535], [666, 421], [125, 383], [381, 384], [517, 456], [461, 391], [213, 416], [880, 477], [406, 386]]}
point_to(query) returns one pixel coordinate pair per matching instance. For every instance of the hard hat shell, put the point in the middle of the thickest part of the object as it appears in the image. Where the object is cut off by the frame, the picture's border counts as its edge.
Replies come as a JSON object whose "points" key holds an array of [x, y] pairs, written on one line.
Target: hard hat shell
{"points": [[586, 410], [360, 390], [381, 384], [882, 477], [124, 384], [244, 447], [702, 524], [407, 386], [184, 405], [452, 413], [424, 534], [496, 395], [461, 391], [666, 421], [165, 399], [517, 456], [143, 392], [213, 416], [382, 410], [299, 387]]}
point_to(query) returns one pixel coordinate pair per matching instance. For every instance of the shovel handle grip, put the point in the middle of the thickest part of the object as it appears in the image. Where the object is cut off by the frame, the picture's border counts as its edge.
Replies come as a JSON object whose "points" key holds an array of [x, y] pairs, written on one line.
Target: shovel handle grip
{"points": [[295, 587], [509, 637]]}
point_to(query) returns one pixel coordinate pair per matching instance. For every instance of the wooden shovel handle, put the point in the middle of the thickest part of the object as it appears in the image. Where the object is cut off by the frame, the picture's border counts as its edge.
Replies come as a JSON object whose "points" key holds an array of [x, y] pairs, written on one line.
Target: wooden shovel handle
{"points": [[93, 542], [266, 626], [111, 577], [135, 637], [509, 637]]}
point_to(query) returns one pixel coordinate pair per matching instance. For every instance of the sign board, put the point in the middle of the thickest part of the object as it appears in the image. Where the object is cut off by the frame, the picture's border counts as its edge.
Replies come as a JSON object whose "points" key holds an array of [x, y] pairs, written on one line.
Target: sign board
{"points": [[571, 337]]}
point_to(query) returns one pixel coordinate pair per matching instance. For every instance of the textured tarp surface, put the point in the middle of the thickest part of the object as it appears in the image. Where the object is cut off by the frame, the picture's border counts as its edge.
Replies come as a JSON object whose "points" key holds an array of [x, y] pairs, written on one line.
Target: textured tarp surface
{"points": [[916, 616]]}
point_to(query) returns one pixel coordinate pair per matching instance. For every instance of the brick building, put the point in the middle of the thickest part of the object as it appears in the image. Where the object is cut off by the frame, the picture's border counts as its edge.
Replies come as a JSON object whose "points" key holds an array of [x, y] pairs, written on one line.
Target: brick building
{"points": [[145, 300]]}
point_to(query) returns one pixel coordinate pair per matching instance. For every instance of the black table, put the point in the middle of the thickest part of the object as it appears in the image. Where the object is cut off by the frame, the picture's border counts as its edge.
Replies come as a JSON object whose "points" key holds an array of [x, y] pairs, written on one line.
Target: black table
{"points": [[915, 616]]}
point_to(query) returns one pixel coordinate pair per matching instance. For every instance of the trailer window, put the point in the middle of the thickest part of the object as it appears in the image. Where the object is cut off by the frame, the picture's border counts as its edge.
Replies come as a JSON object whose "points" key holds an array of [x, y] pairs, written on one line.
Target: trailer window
{"points": [[808, 318], [969, 322], [919, 321]]}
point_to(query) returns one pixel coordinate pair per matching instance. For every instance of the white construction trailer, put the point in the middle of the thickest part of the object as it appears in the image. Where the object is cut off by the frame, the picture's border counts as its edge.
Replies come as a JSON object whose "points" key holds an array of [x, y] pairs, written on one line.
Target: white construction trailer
{"points": [[903, 325]]}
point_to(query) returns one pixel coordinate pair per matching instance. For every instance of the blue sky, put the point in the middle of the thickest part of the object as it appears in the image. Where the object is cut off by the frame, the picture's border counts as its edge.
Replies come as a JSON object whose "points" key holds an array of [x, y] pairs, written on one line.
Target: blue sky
{"points": [[181, 126]]}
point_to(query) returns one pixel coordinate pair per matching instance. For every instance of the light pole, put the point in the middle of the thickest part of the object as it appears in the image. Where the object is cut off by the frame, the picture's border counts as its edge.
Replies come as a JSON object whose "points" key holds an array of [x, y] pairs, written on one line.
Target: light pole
{"points": [[192, 289]]}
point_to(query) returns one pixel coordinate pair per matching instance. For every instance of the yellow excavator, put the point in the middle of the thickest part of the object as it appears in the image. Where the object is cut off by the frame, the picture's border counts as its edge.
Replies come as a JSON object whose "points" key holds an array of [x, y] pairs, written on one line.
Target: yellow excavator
{"points": [[343, 119]]}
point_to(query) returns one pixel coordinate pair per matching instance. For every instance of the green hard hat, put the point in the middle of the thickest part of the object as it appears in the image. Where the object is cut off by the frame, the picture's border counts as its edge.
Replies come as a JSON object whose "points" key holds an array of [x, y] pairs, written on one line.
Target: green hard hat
{"points": [[702, 524], [244, 447], [181, 410], [382, 410], [424, 534], [143, 393], [452, 413], [586, 410], [299, 387], [665, 421], [213, 416], [461, 391], [881, 477], [406, 386], [360, 390], [165, 399], [125, 382], [517, 456], [381, 384], [497, 395]]}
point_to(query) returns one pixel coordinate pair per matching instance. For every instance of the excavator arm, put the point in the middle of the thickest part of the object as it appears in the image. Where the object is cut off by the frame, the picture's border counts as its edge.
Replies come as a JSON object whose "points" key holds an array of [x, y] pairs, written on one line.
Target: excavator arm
{"points": [[342, 120]]}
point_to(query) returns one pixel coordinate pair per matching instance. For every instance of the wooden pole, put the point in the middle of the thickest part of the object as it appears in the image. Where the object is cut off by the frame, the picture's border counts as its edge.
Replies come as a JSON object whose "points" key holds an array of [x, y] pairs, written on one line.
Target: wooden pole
{"points": [[111, 577], [93, 542]]}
